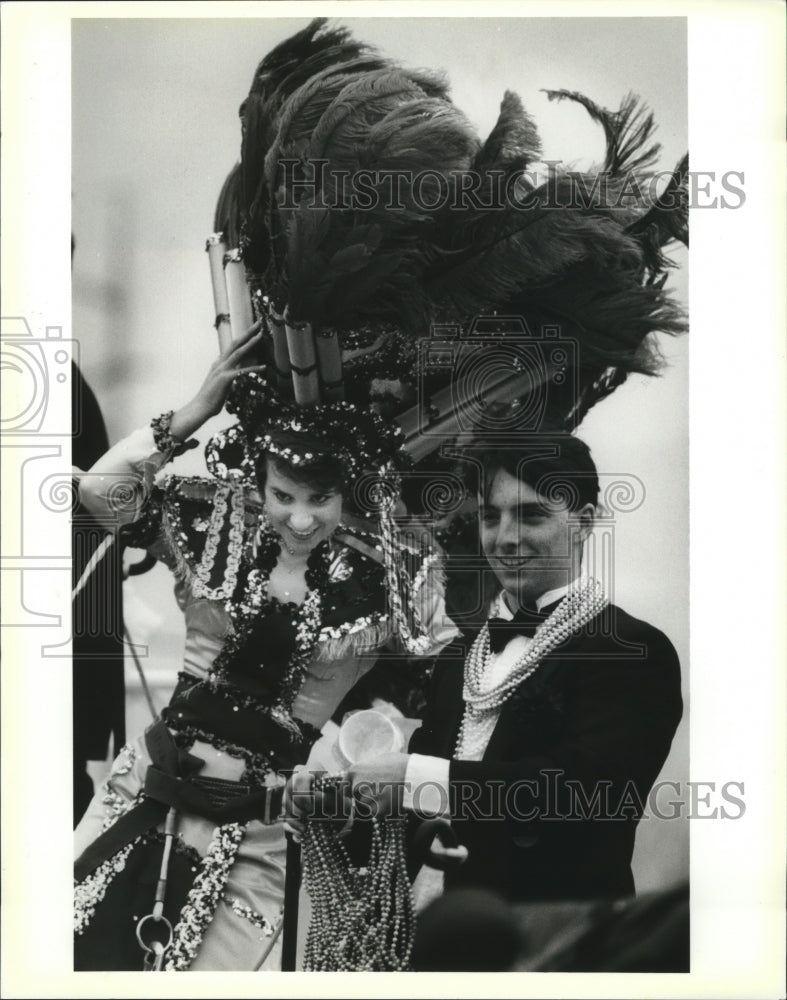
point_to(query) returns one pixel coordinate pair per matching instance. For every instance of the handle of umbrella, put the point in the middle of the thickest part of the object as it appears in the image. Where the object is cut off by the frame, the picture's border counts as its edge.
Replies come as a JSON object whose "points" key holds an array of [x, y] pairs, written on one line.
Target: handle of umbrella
{"points": [[446, 835]]}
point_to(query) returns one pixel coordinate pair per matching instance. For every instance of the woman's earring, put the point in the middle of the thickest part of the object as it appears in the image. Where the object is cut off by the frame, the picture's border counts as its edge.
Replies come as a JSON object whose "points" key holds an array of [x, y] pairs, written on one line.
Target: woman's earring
{"points": [[264, 523]]}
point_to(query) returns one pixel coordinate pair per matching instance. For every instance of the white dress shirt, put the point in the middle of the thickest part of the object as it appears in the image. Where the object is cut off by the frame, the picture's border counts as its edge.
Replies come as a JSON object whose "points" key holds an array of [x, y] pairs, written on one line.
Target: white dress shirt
{"points": [[426, 778]]}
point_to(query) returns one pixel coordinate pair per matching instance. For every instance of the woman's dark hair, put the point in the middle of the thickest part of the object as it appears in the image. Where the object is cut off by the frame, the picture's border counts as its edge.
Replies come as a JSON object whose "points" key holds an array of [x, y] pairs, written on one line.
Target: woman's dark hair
{"points": [[323, 473], [557, 465]]}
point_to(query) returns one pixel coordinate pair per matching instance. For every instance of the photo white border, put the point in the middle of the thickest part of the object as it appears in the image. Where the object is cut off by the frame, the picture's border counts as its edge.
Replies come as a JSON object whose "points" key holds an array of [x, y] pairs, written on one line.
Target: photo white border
{"points": [[737, 407]]}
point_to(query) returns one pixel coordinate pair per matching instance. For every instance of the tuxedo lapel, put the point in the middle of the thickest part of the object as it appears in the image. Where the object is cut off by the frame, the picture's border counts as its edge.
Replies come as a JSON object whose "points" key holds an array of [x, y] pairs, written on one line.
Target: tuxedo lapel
{"points": [[508, 731], [451, 710]]}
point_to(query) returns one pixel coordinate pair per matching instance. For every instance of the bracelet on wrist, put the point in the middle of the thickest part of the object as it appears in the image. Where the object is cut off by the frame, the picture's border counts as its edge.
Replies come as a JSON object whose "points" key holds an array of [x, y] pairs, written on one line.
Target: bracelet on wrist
{"points": [[163, 439]]}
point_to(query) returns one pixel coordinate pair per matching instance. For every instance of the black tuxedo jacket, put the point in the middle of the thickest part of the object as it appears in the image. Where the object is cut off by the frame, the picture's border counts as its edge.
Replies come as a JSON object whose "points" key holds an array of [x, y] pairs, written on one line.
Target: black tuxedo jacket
{"points": [[551, 810]]}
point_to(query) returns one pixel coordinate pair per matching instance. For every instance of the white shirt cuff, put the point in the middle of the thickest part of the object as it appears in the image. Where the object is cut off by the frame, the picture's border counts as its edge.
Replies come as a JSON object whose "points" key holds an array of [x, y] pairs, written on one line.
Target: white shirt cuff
{"points": [[426, 785]]}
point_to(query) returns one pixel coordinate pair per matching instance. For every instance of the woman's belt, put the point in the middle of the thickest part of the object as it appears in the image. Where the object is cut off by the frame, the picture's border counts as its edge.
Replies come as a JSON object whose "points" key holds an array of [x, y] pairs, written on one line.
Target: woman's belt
{"points": [[170, 782]]}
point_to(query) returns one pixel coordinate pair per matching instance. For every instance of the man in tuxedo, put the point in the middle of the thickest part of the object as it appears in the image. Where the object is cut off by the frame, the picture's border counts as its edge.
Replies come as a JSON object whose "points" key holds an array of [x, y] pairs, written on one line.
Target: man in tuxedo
{"points": [[544, 785]]}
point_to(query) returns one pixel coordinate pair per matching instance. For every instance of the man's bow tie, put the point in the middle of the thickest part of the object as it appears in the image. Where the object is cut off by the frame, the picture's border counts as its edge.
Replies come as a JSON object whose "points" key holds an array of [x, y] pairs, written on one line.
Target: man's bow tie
{"points": [[525, 622]]}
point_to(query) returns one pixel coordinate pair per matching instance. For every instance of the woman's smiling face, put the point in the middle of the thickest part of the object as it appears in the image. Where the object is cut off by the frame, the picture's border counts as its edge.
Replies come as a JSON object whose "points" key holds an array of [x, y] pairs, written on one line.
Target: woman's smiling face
{"points": [[303, 514]]}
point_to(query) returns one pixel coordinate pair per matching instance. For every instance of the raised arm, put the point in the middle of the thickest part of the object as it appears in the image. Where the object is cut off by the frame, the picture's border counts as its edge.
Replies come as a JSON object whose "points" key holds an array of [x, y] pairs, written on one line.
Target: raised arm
{"points": [[114, 490]]}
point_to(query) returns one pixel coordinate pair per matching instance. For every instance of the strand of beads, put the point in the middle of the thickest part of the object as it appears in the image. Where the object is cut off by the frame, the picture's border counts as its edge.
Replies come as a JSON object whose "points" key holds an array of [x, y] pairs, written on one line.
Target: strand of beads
{"points": [[362, 919], [483, 700], [416, 640]]}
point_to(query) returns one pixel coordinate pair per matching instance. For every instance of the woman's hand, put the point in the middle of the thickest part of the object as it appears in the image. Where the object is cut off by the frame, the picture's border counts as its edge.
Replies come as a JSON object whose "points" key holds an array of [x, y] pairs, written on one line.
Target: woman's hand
{"points": [[213, 392], [303, 802], [298, 800]]}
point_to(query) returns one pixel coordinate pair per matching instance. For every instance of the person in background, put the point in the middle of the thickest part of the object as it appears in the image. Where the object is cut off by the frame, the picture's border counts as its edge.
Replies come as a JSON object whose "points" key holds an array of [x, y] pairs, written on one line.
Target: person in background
{"points": [[98, 697]]}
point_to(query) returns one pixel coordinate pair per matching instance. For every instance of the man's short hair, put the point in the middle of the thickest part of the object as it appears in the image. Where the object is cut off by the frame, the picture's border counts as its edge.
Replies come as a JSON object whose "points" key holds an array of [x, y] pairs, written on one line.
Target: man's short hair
{"points": [[557, 465]]}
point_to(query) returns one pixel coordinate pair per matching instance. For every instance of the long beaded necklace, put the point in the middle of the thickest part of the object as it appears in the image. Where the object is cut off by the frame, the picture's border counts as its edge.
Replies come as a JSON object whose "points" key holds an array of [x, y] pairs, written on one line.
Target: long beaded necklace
{"points": [[363, 919], [402, 598], [484, 699]]}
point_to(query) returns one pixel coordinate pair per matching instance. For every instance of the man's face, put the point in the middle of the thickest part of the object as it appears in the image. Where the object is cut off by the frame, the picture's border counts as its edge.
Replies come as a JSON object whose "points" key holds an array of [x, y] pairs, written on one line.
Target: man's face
{"points": [[532, 546]]}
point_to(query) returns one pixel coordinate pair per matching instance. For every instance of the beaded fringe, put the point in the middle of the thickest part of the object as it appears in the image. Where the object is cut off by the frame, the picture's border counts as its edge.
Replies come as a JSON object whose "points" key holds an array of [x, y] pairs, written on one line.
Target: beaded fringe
{"points": [[364, 640], [91, 891], [209, 887]]}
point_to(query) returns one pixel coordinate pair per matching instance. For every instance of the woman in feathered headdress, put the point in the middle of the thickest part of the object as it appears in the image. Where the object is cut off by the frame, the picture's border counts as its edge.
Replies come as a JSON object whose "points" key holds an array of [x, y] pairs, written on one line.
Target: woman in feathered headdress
{"points": [[285, 606]]}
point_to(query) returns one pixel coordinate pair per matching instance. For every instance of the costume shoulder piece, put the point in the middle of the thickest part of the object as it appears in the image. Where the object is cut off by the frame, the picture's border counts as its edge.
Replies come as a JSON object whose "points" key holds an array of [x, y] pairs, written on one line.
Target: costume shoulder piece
{"points": [[206, 526], [355, 615]]}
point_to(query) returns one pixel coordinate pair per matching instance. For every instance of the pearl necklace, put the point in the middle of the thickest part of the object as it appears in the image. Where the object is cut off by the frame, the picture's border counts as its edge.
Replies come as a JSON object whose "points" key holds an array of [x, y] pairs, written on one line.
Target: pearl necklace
{"points": [[483, 700]]}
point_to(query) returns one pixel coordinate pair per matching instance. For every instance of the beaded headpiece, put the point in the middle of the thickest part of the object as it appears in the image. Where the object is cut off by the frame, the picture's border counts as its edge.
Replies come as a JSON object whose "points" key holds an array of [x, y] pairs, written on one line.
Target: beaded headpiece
{"points": [[356, 438]]}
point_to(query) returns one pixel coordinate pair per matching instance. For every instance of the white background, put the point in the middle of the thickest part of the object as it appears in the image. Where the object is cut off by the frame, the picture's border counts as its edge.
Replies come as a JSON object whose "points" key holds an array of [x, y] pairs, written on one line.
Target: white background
{"points": [[155, 132]]}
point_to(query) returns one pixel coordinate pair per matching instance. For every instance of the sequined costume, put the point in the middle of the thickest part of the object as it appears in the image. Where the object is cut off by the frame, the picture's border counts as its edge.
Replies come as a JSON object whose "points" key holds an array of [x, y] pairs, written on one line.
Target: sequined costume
{"points": [[224, 740]]}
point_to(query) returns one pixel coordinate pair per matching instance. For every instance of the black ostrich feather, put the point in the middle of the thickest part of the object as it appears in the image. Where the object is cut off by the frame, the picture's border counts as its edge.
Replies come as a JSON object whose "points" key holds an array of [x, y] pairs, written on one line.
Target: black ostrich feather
{"points": [[666, 221], [345, 124], [359, 257], [514, 141], [628, 131], [496, 255], [312, 54]]}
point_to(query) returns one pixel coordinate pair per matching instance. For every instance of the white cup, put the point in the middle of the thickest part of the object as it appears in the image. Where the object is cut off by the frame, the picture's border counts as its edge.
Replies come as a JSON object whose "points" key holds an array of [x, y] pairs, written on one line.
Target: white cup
{"points": [[367, 734]]}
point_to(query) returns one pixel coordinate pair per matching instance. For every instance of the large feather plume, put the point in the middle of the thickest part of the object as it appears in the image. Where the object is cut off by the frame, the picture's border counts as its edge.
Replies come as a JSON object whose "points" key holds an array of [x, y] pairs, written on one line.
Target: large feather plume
{"points": [[317, 49], [356, 258], [628, 131], [584, 251], [514, 141]]}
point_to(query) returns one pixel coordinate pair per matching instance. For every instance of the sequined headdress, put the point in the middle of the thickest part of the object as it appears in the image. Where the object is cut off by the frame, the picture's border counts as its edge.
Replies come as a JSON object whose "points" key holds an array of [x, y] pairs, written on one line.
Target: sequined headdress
{"points": [[356, 437]]}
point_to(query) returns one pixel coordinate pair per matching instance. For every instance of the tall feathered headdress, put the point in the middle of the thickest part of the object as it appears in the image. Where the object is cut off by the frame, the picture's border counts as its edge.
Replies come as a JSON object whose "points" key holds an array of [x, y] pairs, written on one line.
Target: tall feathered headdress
{"points": [[370, 215]]}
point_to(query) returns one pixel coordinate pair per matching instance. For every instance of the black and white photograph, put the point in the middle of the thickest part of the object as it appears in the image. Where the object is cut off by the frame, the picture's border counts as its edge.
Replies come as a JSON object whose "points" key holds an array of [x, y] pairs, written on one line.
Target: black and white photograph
{"points": [[369, 536]]}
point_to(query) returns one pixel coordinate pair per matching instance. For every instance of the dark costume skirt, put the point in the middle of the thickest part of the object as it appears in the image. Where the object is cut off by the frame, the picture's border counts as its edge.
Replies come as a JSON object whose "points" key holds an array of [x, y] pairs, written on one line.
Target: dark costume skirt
{"points": [[225, 877]]}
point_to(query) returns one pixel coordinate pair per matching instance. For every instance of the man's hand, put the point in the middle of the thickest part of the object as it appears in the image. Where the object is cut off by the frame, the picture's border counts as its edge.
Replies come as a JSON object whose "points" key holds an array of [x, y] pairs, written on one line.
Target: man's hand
{"points": [[388, 768], [379, 782]]}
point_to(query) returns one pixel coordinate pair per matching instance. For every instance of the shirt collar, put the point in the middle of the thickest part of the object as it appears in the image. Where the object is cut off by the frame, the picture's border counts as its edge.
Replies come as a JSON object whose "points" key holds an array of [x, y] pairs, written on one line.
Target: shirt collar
{"points": [[502, 610]]}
